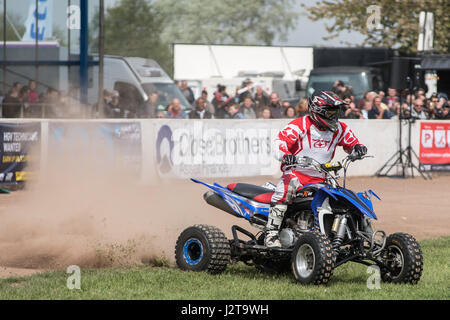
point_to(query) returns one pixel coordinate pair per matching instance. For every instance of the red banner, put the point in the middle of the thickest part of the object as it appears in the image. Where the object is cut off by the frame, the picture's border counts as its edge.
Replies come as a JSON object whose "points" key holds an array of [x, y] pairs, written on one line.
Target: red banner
{"points": [[435, 143]]}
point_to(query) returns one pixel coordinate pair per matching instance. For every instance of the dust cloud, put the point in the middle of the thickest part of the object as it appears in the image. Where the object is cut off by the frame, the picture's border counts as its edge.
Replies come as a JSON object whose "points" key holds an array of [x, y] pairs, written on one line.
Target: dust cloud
{"points": [[81, 210]]}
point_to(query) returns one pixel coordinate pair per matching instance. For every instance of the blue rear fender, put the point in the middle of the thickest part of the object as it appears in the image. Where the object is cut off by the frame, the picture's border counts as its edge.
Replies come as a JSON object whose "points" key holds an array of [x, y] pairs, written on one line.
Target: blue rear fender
{"points": [[361, 200], [240, 205]]}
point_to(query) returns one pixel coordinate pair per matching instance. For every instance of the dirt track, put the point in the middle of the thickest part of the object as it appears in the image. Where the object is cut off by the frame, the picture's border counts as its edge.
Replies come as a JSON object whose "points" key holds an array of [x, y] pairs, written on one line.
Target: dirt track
{"points": [[50, 227]]}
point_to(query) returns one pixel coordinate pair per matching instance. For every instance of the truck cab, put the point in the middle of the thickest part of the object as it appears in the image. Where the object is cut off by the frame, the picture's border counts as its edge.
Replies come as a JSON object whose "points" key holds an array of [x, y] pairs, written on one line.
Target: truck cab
{"points": [[361, 79]]}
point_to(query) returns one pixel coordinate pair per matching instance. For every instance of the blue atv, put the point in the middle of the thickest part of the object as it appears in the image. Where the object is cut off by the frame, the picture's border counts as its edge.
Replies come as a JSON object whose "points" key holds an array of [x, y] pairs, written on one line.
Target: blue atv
{"points": [[325, 226]]}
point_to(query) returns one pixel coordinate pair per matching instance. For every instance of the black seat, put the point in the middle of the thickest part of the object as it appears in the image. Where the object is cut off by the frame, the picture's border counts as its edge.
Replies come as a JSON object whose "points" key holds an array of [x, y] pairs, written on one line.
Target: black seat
{"points": [[248, 190]]}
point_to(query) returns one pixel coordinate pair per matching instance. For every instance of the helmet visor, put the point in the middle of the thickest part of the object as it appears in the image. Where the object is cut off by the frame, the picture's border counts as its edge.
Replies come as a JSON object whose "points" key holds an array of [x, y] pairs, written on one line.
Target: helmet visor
{"points": [[332, 114]]}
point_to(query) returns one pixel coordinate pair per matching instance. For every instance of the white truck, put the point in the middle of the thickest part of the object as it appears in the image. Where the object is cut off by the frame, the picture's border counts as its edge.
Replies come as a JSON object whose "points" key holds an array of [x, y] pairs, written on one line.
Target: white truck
{"points": [[136, 79]]}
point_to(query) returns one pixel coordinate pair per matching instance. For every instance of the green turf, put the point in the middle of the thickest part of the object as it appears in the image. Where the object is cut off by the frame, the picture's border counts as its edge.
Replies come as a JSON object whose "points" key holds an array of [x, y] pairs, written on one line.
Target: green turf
{"points": [[237, 282]]}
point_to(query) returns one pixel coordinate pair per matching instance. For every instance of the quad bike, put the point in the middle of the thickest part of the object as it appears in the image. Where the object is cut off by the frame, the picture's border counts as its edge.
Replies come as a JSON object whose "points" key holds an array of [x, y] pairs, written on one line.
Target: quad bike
{"points": [[325, 226]]}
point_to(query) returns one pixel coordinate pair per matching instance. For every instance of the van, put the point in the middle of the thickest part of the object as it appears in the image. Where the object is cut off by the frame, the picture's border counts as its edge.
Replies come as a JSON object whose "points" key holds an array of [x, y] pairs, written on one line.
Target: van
{"points": [[136, 79]]}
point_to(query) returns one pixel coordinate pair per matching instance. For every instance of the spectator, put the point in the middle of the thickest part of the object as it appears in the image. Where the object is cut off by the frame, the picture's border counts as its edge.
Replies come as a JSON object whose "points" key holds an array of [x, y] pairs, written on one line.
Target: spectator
{"points": [[150, 106], [445, 114], [392, 111], [290, 113], [275, 106], [200, 111], [266, 114], [420, 92], [377, 111], [366, 107], [351, 111], [33, 96], [114, 109], [160, 114], [285, 104], [382, 95], [404, 111], [11, 104], [51, 104], [106, 100], [440, 107], [209, 106], [343, 110], [24, 99], [391, 98], [246, 90], [187, 92], [248, 108], [302, 107], [175, 111], [338, 87], [220, 102], [354, 112], [360, 103], [261, 99], [234, 113], [417, 111]]}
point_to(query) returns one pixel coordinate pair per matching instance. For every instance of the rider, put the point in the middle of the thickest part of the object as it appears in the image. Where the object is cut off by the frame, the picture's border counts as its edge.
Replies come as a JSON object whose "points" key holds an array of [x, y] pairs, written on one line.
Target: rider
{"points": [[316, 136]]}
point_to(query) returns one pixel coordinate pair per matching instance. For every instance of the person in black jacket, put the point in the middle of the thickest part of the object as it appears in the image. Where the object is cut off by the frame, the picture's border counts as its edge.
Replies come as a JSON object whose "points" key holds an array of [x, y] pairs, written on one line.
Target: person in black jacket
{"points": [[11, 104], [200, 111]]}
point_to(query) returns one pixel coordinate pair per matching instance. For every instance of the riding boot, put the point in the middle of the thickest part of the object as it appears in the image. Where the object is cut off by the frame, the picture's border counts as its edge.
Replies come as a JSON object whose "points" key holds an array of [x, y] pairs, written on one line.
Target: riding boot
{"points": [[273, 225]]}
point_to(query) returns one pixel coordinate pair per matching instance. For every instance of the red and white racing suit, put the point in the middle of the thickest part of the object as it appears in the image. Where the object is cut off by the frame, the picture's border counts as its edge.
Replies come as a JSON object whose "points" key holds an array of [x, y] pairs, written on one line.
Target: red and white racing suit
{"points": [[301, 137]]}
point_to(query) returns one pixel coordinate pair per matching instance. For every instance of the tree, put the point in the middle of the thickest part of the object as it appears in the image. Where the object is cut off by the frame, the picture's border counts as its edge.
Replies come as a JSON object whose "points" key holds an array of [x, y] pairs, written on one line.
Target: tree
{"points": [[399, 20], [11, 34], [133, 29], [226, 21]]}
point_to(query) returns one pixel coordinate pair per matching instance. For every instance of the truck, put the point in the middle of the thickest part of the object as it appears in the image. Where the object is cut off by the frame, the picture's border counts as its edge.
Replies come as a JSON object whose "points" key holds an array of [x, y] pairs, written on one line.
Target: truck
{"points": [[365, 69], [136, 79]]}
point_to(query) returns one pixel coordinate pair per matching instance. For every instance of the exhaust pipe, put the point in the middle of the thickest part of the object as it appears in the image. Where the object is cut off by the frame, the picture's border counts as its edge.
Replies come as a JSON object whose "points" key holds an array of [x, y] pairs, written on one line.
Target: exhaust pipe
{"points": [[215, 200]]}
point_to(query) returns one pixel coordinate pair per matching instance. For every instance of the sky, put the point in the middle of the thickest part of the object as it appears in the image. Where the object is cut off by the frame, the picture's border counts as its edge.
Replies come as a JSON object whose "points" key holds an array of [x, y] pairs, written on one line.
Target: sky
{"points": [[306, 33]]}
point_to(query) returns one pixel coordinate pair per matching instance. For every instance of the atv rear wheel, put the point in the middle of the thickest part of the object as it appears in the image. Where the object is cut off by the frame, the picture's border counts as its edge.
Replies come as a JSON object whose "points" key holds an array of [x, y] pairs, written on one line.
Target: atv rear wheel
{"points": [[403, 259], [313, 259], [202, 248]]}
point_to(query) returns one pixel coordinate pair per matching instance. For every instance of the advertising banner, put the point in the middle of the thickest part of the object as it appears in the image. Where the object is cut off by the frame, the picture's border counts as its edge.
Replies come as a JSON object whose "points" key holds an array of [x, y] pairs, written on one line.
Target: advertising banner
{"points": [[109, 145], [212, 149], [435, 146], [17, 140]]}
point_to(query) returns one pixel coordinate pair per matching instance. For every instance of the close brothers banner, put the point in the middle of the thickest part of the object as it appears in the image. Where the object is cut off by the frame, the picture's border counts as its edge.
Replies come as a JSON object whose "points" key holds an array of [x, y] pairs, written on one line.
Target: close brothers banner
{"points": [[435, 146], [186, 149], [17, 142]]}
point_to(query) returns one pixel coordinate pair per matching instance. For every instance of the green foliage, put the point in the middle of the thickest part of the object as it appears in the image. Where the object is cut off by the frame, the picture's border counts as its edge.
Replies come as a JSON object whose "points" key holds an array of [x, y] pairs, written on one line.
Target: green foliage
{"points": [[133, 29], [10, 33], [399, 21], [226, 21], [148, 28]]}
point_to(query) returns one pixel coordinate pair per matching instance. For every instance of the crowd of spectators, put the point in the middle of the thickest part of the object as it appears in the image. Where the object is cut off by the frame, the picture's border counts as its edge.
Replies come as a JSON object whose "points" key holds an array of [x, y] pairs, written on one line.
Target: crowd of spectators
{"points": [[394, 105], [250, 102], [247, 102], [25, 102]]}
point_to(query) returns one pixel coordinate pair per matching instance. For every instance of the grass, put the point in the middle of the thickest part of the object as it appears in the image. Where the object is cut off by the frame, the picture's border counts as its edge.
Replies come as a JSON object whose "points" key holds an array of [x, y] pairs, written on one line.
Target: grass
{"points": [[237, 282]]}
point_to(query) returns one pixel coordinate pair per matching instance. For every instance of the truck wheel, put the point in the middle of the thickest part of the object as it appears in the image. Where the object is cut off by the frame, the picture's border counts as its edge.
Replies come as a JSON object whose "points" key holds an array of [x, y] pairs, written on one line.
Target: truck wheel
{"points": [[403, 259], [202, 248], [313, 259]]}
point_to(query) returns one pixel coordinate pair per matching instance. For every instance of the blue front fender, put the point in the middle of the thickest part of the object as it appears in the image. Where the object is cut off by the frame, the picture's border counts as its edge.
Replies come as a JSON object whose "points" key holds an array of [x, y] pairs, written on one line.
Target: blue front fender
{"points": [[360, 200]]}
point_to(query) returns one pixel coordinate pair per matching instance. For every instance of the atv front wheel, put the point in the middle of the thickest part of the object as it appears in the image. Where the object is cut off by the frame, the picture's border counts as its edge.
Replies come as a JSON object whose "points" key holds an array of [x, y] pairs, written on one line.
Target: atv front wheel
{"points": [[202, 248], [403, 259], [313, 259]]}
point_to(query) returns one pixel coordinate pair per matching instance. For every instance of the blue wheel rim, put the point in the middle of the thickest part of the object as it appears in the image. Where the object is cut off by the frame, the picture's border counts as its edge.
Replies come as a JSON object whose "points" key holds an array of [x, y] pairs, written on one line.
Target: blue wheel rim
{"points": [[192, 251]]}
